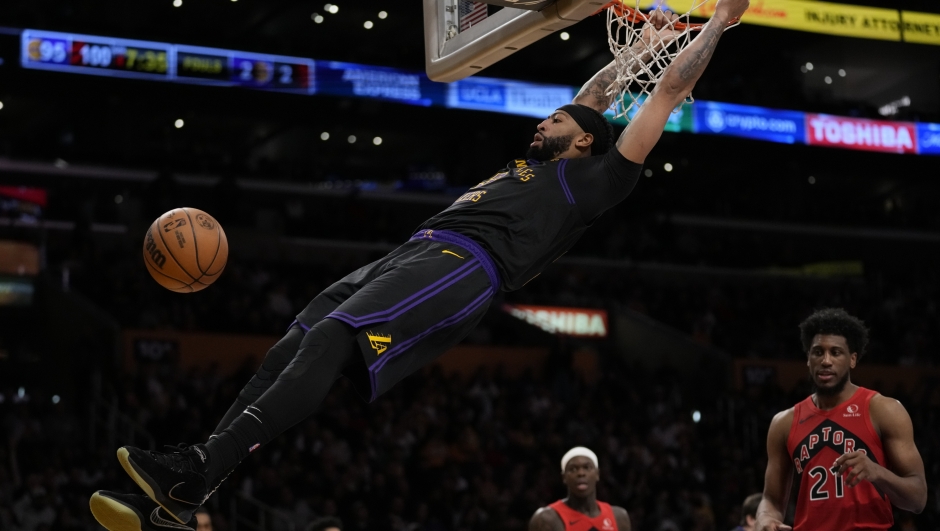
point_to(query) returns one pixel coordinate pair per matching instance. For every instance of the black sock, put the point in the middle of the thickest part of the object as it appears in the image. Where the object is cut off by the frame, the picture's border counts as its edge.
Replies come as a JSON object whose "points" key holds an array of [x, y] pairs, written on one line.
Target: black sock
{"points": [[274, 362], [324, 352]]}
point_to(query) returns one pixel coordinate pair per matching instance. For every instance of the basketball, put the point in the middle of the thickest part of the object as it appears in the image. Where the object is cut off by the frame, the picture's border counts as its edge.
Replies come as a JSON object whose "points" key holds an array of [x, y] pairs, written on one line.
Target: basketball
{"points": [[185, 250]]}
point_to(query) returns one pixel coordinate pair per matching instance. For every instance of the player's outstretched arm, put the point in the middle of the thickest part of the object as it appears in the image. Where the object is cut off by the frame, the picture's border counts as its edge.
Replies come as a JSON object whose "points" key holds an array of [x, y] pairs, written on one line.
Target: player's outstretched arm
{"points": [[778, 477], [658, 33], [903, 479], [677, 82], [546, 519]]}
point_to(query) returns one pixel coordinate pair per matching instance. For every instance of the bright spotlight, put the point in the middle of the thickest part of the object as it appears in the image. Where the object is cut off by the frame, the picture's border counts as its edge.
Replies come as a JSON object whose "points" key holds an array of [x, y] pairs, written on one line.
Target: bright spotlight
{"points": [[841, 72], [667, 166], [377, 141], [55, 398], [648, 172], [351, 139], [828, 80], [809, 66], [179, 123], [1, 104], [383, 15], [177, 3], [367, 24], [565, 36], [317, 18], [696, 416], [334, 9], [324, 136]]}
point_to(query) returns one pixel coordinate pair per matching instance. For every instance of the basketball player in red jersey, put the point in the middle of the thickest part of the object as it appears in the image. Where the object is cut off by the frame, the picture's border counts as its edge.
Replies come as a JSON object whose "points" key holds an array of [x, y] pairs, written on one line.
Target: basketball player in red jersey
{"points": [[852, 448], [580, 511]]}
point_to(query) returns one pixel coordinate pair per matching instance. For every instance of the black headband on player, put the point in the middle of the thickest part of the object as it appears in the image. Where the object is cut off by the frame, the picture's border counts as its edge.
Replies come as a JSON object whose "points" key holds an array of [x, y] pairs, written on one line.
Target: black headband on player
{"points": [[591, 122]]}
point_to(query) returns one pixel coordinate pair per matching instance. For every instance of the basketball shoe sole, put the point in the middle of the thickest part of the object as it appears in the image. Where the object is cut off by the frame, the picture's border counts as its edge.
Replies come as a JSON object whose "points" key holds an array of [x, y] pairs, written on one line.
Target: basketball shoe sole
{"points": [[133, 512]]}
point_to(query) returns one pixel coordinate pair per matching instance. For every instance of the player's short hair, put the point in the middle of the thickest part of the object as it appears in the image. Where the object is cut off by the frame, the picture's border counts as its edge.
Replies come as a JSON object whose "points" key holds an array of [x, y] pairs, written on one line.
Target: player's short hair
{"points": [[325, 523], [749, 507], [837, 322]]}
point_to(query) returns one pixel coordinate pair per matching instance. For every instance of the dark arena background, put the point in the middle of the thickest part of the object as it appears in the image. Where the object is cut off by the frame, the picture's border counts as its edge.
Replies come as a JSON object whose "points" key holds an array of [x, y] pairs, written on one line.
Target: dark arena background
{"points": [[665, 340]]}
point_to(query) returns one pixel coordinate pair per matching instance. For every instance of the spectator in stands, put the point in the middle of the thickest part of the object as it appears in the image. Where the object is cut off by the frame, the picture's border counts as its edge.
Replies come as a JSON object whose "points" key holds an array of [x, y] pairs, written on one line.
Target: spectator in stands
{"points": [[325, 524], [203, 520], [749, 512]]}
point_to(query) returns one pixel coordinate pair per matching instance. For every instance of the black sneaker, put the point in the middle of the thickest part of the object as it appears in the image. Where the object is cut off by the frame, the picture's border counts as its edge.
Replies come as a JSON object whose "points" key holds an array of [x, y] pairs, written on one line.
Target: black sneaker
{"points": [[134, 512], [176, 481]]}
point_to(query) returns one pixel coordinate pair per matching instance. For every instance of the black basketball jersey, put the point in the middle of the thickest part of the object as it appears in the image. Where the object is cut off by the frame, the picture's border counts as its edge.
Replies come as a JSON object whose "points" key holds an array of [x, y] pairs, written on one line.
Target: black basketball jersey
{"points": [[530, 213]]}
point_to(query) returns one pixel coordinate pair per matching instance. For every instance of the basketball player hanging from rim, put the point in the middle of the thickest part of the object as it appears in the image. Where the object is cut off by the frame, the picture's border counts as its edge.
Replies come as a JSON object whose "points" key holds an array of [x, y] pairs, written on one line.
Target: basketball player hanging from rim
{"points": [[391, 317], [852, 448], [580, 510]]}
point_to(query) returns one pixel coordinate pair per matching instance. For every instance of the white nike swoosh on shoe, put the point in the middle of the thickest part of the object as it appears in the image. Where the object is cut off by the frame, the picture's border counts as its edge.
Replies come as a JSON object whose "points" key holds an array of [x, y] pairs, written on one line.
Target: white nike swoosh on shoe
{"points": [[156, 520]]}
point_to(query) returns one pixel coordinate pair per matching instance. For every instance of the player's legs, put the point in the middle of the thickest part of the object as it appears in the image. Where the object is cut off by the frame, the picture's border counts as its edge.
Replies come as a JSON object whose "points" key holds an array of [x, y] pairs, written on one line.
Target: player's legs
{"points": [[427, 296], [281, 354], [324, 352], [274, 362]]}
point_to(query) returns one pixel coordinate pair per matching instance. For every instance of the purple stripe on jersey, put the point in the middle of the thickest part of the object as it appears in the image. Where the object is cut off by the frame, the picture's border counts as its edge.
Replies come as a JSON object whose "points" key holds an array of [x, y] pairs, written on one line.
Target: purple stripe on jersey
{"points": [[403, 346], [561, 178], [459, 239], [302, 326], [383, 316]]}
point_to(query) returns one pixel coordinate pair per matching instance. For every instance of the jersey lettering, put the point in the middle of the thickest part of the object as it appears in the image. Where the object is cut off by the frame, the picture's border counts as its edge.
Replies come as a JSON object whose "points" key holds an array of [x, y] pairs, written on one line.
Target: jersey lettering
{"points": [[825, 432], [849, 445], [813, 439], [471, 196], [819, 474], [837, 438], [804, 453]]}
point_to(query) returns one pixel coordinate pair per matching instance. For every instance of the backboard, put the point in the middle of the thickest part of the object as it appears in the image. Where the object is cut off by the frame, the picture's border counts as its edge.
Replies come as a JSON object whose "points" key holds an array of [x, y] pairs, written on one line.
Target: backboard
{"points": [[455, 48]]}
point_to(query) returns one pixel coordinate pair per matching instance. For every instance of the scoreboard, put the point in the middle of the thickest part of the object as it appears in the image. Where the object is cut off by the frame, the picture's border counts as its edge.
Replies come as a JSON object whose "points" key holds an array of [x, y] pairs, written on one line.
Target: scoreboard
{"points": [[87, 54]]}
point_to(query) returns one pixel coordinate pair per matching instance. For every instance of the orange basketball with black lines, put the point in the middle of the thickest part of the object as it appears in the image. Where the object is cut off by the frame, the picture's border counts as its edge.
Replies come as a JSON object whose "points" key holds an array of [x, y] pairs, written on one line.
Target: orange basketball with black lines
{"points": [[185, 250]]}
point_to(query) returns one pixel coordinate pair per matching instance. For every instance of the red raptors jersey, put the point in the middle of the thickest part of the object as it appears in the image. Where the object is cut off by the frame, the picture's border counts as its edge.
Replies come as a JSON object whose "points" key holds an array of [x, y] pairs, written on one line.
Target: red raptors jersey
{"points": [[817, 438], [575, 521]]}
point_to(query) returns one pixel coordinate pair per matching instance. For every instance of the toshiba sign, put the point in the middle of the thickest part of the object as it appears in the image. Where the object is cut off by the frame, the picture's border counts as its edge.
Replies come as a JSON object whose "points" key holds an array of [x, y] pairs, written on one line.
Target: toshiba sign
{"points": [[585, 322], [865, 135]]}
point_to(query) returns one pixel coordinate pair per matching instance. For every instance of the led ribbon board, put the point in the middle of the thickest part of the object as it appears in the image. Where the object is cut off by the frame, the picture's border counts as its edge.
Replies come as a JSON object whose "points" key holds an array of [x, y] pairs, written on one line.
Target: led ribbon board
{"points": [[85, 54]]}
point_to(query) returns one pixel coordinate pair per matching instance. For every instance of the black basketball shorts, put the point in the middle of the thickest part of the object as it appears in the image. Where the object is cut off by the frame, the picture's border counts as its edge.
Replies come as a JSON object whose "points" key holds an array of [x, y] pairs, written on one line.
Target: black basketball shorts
{"points": [[409, 307]]}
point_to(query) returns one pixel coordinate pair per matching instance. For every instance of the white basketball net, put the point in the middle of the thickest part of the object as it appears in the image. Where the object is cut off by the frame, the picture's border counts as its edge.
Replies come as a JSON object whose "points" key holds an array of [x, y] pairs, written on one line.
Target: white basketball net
{"points": [[642, 54]]}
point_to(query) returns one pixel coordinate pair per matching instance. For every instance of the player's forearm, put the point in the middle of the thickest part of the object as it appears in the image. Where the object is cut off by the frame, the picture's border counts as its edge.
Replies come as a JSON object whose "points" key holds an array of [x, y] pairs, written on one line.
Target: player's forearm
{"points": [[908, 493], [594, 92], [770, 510], [686, 69]]}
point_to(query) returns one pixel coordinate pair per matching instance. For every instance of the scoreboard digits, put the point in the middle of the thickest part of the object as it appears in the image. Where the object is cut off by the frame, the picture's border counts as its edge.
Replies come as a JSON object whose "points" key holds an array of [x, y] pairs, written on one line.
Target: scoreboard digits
{"points": [[153, 60]]}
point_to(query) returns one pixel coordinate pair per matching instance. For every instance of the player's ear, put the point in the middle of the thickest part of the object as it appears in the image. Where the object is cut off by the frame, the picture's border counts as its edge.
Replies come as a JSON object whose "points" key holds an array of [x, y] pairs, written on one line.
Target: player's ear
{"points": [[585, 141], [853, 359]]}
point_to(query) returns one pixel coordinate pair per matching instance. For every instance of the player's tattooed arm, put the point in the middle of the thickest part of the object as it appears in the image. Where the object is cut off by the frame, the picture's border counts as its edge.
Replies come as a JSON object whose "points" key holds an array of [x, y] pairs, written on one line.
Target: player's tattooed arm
{"points": [[646, 127], [546, 519], [622, 518], [594, 92], [599, 92]]}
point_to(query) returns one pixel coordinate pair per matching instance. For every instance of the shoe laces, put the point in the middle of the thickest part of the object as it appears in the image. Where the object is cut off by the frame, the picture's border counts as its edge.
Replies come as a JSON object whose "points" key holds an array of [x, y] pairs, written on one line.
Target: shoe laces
{"points": [[181, 458]]}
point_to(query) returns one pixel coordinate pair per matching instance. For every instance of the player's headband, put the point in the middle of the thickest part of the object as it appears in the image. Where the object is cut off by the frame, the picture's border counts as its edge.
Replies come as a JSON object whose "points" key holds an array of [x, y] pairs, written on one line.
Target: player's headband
{"points": [[590, 122], [578, 451]]}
